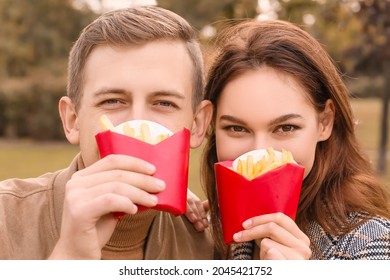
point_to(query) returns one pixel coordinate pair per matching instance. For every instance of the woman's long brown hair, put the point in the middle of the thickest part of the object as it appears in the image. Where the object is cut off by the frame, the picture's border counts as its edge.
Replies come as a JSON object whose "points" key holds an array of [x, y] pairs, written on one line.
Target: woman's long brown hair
{"points": [[342, 179]]}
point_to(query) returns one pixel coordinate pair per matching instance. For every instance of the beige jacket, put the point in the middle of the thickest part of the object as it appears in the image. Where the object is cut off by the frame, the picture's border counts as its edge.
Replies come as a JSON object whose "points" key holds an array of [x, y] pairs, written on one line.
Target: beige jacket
{"points": [[30, 220]]}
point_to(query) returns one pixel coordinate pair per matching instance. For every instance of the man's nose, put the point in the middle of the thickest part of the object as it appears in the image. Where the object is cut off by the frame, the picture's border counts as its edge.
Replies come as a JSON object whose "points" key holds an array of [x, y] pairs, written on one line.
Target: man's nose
{"points": [[137, 112]]}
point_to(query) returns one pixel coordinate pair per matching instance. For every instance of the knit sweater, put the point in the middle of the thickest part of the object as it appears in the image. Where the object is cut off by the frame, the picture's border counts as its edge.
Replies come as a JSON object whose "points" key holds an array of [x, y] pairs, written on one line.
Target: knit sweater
{"points": [[31, 214], [368, 241]]}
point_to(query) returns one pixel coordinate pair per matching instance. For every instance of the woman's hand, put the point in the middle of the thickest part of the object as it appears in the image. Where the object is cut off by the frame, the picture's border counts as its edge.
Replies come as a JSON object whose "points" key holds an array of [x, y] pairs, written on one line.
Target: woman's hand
{"points": [[278, 237], [197, 211]]}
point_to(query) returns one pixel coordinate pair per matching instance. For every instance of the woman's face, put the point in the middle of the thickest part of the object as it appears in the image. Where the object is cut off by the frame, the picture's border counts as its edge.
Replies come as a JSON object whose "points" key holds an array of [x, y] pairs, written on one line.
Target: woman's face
{"points": [[266, 108]]}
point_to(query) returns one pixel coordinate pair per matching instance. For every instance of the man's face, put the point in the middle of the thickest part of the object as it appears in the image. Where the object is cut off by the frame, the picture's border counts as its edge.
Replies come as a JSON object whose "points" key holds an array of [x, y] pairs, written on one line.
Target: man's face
{"points": [[150, 82]]}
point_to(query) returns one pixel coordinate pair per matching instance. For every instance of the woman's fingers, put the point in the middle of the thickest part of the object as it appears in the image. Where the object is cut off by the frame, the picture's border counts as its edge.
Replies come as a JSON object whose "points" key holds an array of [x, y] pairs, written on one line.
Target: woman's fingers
{"points": [[197, 211], [279, 219], [277, 235], [272, 250]]}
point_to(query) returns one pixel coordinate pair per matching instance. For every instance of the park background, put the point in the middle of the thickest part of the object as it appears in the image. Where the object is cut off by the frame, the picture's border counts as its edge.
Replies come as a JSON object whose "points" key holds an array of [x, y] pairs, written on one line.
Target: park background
{"points": [[36, 36]]}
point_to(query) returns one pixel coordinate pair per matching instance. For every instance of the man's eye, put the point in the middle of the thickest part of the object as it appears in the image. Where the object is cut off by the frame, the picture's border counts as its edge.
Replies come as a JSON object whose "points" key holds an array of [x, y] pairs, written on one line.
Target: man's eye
{"points": [[166, 103], [111, 101]]}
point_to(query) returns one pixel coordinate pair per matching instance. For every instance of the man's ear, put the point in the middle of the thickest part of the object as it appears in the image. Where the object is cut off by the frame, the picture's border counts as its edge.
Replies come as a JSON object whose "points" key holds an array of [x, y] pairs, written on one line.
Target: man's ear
{"points": [[326, 119], [69, 119], [201, 122]]}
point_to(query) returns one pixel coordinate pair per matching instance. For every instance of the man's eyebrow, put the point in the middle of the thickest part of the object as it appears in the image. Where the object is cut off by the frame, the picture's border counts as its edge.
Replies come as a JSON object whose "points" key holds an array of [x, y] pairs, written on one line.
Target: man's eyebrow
{"points": [[161, 93], [107, 90], [168, 93]]}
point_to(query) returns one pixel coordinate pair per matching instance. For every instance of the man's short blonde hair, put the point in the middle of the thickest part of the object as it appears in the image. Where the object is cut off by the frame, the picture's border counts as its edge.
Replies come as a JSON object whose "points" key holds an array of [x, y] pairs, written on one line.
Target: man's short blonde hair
{"points": [[134, 26]]}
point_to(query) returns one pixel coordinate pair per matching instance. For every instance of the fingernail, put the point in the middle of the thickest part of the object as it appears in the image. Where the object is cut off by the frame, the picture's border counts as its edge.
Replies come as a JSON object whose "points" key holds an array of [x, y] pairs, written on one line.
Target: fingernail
{"points": [[193, 217], [198, 226], [153, 198], [237, 236], [160, 184], [150, 167], [247, 223]]}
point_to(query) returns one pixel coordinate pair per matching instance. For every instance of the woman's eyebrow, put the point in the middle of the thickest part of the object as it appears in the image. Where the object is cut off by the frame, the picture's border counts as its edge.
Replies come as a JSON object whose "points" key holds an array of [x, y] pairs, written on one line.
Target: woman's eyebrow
{"points": [[285, 118], [232, 119], [272, 122]]}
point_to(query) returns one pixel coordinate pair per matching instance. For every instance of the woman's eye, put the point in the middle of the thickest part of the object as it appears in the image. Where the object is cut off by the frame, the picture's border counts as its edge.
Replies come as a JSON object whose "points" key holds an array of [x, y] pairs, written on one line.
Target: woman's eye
{"points": [[235, 128], [288, 128]]}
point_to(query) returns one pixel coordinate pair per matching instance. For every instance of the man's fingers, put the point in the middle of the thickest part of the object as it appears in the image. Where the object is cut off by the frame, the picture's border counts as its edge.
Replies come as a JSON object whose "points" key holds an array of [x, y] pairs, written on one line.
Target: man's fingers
{"points": [[145, 182], [132, 193], [119, 162]]}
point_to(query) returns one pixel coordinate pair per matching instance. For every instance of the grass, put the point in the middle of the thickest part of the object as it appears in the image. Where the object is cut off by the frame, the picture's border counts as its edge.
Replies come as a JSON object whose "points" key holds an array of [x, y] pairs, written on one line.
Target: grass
{"points": [[24, 158]]}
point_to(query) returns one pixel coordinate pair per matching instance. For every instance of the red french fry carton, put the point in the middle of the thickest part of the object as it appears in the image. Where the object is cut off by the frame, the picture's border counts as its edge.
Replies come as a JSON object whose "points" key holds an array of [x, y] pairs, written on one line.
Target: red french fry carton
{"points": [[171, 158], [239, 198]]}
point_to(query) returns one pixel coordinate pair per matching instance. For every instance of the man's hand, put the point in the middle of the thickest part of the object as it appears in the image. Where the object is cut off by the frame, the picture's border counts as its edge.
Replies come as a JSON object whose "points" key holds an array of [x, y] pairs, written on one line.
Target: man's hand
{"points": [[113, 184]]}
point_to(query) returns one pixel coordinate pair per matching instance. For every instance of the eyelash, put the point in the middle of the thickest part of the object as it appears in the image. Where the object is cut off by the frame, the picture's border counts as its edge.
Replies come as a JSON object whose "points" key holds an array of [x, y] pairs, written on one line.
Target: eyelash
{"points": [[279, 129], [166, 105], [162, 103], [111, 102], [232, 128], [291, 129]]}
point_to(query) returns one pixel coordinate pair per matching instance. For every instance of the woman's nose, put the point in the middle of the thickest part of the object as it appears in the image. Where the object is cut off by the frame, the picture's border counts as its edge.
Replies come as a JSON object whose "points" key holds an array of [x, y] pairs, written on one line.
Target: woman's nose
{"points": [[261, 142]]}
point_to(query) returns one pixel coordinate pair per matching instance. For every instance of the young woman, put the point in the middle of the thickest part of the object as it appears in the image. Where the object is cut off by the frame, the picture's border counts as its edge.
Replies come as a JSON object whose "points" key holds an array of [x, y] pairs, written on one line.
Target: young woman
{"points": [[273, 85]]}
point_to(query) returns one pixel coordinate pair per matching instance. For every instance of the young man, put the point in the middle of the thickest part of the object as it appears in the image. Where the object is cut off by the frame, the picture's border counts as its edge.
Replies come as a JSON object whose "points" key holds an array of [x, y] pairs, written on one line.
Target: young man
{"points": [[139, 63]]}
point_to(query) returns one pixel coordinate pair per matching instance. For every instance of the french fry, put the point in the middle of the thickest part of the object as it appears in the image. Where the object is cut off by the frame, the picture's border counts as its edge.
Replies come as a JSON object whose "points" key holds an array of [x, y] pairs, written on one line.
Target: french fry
{"points": [[287, 156], [106, 123], [239, 166], [252, 169], [259, 166], [271, 156], [144, 133], [160, 137], [128, 130], [244, 168]]}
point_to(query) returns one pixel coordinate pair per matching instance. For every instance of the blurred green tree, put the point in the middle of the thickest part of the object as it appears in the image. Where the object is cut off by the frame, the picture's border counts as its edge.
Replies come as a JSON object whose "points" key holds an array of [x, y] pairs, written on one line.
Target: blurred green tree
{"points": [[201, 13], [35, 39], [357, 35], [375, 17], [37, 33]]}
